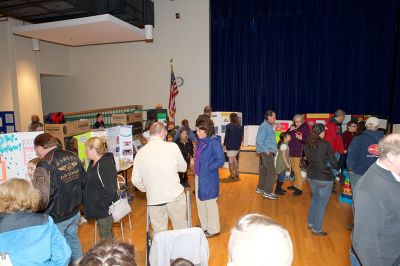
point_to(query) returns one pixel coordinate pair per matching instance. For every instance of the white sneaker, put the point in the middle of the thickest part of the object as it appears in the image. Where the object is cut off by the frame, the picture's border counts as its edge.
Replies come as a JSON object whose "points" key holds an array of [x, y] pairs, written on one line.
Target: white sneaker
{"points": [[270, 196], [259, 191]]}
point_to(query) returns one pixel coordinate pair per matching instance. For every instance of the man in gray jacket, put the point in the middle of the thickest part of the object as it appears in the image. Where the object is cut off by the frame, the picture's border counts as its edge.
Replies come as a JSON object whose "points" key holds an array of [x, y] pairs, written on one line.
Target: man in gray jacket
{"points": [[376, 234]]}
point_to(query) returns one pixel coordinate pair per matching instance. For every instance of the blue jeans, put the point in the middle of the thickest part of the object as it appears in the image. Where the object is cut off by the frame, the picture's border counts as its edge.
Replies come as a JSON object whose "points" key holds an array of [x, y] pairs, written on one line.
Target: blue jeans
{"points": [[353, 258], [321, 191], [282, 176], [69, 229]]}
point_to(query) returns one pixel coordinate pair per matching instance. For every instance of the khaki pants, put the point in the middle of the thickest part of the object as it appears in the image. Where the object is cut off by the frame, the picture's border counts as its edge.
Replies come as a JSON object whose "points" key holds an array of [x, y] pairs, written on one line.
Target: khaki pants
{"points": [[175, 210], [298, 179], [208, 212]]}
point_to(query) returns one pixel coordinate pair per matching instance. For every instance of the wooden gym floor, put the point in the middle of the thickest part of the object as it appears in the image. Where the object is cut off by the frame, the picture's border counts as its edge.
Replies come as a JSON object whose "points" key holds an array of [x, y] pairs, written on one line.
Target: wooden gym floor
{"points": [[239, 198]]}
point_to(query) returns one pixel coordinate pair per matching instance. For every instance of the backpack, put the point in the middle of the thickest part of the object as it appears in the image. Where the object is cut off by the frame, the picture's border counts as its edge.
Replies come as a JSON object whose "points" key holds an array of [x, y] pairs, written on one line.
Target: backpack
{"points": [[55, 118]]}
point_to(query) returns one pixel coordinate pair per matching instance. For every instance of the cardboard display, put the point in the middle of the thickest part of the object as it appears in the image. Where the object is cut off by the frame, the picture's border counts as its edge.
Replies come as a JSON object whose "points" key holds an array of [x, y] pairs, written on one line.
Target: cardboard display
{"points": [[81, 144], [124, 119], [120, 143], [221, 119], [250, 132], [62, 131], [16, 150], [312, 119]]}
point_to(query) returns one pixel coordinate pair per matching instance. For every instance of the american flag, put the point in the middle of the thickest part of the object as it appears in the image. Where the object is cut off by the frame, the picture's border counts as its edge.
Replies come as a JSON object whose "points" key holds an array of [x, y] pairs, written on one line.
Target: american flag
{"points": [[173, 92]]}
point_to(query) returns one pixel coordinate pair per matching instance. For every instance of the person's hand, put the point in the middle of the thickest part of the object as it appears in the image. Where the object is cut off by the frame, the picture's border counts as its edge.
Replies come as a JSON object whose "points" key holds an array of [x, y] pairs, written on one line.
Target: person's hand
{"points": [[267, 153], [345, 151]]}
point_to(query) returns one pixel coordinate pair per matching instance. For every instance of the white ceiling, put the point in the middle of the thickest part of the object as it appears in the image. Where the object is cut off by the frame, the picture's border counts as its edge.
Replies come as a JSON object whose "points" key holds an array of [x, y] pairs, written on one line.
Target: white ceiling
{"points": [[99, 29]]}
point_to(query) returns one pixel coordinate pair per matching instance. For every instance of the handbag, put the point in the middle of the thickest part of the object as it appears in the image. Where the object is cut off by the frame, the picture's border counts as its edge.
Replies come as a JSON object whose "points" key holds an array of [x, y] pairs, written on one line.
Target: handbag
{"points": [[120, 208]]}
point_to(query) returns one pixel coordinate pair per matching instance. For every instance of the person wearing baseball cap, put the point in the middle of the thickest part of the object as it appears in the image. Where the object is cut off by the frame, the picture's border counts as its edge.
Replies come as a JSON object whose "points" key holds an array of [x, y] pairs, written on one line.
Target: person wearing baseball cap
{"points": [[320, 161], [363, 150]]}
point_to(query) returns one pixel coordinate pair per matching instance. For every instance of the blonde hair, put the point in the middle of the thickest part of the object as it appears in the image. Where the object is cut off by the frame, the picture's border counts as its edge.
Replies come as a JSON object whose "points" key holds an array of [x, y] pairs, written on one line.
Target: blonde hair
{"points": [[98, 144], [18, 195]]}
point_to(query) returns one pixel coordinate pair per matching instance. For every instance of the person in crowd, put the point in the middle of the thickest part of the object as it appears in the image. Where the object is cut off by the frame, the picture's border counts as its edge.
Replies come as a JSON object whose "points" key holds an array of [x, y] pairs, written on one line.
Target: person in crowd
{"points": [[299, 133], [27, 237], [172, 130], [347, 136], [35, 125], [101, 186], [361, 127], [363, 151], [182, 262], [209, 158], [185, 126], [146, 132], [266, 146], [31, 168], [232, 142], [186, 147], [320, 159], [99, 121], [376, 234], [258, 240], [60, 177], [333, 135], [110, 252], [156, 172], [205, 116], [282, 163]]}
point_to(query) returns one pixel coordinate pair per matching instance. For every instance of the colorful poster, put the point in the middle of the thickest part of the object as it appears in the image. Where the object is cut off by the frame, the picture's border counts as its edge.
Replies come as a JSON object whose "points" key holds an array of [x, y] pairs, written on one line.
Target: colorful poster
{"points": [[16, 150], [81, 140], [281, 126], [347, 195], [221, 119], [312, 119]]}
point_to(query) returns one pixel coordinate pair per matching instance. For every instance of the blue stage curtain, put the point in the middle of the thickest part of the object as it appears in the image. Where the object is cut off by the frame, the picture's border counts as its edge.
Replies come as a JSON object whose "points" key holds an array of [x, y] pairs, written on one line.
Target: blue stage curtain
{"points": [[305, 56]]}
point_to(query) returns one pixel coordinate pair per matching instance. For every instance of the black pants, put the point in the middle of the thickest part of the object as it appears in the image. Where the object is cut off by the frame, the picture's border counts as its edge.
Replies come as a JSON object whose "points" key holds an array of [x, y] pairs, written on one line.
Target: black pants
{"points": [[184, 176]]}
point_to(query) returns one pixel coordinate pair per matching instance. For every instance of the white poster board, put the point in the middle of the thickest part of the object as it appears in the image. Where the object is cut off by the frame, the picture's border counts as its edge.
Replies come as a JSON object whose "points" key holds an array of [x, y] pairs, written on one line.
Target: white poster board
{"points": [[16, 150], [221, 119], [119, 142]]}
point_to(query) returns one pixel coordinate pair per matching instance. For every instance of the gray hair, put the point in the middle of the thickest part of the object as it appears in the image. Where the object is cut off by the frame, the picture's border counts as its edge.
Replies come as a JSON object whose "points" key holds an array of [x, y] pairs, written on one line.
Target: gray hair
{"points": [[257, 239], [157, 128], [389, 144], [298, 116], [340, 112]]}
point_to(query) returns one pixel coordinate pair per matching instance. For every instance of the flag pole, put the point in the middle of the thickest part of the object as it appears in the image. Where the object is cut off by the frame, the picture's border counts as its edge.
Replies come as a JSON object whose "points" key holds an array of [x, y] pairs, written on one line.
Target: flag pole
{"points": [[171, 61]]}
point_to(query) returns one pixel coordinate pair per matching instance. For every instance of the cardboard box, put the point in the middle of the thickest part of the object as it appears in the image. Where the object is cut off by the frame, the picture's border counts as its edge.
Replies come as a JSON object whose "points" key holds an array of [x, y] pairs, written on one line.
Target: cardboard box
{"points": [[124, 119], [62, 131]]}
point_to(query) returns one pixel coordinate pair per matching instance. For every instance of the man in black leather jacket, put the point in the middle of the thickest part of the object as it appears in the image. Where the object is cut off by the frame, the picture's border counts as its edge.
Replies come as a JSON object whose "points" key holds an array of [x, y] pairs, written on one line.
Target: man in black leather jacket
{"points": [[60, 177]]}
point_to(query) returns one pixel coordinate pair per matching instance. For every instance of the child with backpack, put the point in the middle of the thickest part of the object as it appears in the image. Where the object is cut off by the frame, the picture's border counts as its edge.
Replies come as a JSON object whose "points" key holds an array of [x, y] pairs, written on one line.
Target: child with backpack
{"points": [[282, 162]]}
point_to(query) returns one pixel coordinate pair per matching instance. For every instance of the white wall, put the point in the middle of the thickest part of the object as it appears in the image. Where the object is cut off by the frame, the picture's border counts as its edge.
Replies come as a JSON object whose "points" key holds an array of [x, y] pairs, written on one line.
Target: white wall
{"points": [[20, 71], [6, 96], [139, 73]]}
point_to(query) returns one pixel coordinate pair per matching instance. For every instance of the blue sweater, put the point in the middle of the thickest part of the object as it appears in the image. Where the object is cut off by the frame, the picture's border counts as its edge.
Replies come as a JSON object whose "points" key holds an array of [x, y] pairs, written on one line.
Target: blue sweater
{"points": [[32, 239], [363, 151], [266, 139], [233, 137]]}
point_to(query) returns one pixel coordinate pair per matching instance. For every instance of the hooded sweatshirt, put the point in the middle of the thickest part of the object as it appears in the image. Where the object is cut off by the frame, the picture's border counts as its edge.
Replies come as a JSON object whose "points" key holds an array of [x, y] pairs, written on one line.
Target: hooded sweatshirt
{"points": [[363, 151]]}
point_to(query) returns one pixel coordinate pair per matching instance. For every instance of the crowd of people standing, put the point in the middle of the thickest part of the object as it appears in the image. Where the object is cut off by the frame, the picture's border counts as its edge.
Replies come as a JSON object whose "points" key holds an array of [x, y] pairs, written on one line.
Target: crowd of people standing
{"points": [[51, 206]]}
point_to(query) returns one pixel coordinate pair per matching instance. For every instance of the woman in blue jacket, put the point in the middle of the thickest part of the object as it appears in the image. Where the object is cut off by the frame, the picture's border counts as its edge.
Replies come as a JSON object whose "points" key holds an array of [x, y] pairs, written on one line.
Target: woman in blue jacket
{"points": [[28, 238], [209, 158]]}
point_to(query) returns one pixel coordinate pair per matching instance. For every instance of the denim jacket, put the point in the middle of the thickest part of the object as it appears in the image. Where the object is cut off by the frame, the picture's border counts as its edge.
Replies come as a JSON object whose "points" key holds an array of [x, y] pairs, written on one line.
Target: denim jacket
{"points": [[266, 139]]}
